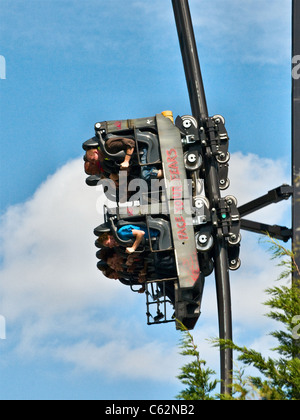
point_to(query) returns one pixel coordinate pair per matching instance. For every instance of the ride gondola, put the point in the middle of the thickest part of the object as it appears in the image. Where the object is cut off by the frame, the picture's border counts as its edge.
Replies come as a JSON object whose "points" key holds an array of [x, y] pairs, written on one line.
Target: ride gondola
{"points": [[180, 226]]}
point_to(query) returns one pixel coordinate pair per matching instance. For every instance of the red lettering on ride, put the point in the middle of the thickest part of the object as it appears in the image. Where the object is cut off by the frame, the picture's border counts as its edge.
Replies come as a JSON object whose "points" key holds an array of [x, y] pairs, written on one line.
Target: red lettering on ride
{"points": [[173, 164], [181, 225], [177, 194], [118, 124], [192, 266]]}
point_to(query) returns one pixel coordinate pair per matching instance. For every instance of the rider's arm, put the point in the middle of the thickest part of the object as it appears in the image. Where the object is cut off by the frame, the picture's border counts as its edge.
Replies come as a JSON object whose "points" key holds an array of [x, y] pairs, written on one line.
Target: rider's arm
{"points": [[129, 153], [139, 235]]}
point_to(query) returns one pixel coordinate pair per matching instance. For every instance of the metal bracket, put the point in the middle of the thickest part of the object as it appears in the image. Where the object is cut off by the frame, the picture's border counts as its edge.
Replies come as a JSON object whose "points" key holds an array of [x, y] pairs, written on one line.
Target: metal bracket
{"points": [[284, 192], [279, 232]]}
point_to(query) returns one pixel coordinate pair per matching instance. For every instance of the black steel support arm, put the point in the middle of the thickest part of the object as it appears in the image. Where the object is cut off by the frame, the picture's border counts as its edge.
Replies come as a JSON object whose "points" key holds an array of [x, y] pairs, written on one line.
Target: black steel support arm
{"points": [[279, 232], [284, 192], [200, 112], [190, 59]]}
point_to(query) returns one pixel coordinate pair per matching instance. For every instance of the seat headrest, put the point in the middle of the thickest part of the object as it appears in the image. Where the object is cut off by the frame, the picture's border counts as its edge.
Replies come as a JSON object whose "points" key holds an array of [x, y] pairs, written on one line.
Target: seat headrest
{"points": [[102, 264], [93, 180], [91, 144], [104, 228]]}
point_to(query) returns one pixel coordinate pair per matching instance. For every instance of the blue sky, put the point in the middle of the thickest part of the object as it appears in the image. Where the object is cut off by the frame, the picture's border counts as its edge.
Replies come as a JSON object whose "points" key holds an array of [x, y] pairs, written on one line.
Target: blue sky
{"points": [[71, 333]]}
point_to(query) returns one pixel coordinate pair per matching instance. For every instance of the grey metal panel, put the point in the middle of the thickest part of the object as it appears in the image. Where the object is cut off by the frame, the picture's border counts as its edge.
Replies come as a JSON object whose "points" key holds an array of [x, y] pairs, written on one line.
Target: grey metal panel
{"points": [[143, 210], [184, 246], [120, 125], [180, 209]]}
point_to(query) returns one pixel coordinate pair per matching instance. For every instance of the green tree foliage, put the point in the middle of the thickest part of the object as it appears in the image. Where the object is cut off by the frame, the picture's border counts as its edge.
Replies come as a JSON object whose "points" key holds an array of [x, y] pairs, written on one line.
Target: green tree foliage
{"points": [[279, 377], [194, 375]]}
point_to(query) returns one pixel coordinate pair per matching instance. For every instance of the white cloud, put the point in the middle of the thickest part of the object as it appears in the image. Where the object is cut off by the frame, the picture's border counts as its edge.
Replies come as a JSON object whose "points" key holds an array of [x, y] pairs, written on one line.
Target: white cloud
{"points": [[47, 247], [52, 293], [252, 177], [57, 304], [119, 359]]}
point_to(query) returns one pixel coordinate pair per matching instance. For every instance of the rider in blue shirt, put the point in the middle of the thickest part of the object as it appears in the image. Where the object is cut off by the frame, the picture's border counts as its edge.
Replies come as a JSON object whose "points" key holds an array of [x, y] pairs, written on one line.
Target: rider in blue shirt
{"points": [[137, 233], [126, 232]]}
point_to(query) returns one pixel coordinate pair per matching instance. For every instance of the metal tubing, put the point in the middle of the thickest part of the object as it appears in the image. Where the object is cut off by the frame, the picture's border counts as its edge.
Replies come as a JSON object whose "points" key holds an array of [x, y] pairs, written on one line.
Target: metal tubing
{"points": [[279, 232], [190, 59], [274, 196], [200, 112]]}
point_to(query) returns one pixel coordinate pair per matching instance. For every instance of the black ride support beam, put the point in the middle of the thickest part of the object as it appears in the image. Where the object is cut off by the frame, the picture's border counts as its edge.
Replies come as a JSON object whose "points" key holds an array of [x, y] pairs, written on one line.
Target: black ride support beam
{"points": [[278, 232], [200, 112], [296, 132], [190, 59], [274, 196]]}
